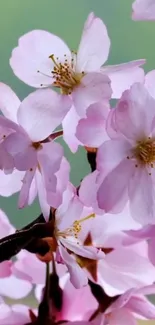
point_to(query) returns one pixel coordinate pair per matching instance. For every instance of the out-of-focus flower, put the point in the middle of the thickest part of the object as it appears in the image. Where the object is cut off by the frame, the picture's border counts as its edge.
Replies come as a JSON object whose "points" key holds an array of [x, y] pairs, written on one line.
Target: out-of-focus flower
{"points": [[143, 10]]}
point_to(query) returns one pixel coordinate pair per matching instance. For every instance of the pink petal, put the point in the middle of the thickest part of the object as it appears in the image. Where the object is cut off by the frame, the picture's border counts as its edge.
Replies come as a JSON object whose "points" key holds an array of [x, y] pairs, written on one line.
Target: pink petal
{"points": [[111, 195], [49, 158], [81, 250], [42, 195], [24, 193], [20, 148], [94, 46], [131, 117], [41, 112], [14, 315], [77, 276], [69, 125], [10, 183], [5, 269], [111, 154], [70, 209], [150, 82], [141, 194], [124, 75], [151, 252], [94, 87], [141, 306], [89, 198], [124, 269], [9, 285], [32, 191], [143, 10], [9, 102], [62, 175], [5, 226], [91, 130], [32, 55], [122, 317]]}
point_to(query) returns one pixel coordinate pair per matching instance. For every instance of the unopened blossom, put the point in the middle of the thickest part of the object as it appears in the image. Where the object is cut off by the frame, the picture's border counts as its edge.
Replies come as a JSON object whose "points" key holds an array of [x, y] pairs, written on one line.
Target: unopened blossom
{"points": [[143, 10], [76, 73], [126, 162], [32, 121]]}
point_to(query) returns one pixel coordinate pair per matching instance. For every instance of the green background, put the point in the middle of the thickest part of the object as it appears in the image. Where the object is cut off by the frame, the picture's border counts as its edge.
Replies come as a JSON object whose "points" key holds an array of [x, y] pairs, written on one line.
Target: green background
{"points": [[129, 40]]}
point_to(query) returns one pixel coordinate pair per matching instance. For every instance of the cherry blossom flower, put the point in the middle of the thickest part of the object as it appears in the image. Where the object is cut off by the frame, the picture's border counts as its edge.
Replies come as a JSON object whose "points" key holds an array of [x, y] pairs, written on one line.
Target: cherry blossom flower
{"points": [[143, 10], [37, 117], [43, 59], [121, 268], [126, 163]]}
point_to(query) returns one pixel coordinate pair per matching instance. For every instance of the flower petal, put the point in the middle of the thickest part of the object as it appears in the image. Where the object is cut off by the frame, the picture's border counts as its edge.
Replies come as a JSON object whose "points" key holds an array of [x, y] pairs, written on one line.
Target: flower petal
{"points": [[42, 195], [132, 118], [91, 130], [77, 276], [9, 285], [9, 102], [123, 76], [24, 193], [19, 146], [141, 194], [122, 317], [143, 10], [94, 45], [32, 55], [112, 196], [69, 125], [41, 112], [94, 87], [150, 82], [141, 306], [10, 183]]}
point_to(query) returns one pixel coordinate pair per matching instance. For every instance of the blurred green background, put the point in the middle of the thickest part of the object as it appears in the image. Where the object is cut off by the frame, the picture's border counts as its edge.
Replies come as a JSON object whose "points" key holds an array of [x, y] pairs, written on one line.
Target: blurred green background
{"points": [[129, 40]]}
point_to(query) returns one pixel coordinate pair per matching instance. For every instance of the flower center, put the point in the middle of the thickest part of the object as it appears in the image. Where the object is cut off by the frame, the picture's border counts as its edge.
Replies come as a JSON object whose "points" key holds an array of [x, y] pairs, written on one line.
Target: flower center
{"points": [[144, 152], [64, 74], [75, 228]]}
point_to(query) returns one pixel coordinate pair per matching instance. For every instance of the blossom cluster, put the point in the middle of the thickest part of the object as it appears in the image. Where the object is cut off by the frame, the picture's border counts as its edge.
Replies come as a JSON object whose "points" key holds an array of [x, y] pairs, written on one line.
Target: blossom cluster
{"points": [[89, 257]]}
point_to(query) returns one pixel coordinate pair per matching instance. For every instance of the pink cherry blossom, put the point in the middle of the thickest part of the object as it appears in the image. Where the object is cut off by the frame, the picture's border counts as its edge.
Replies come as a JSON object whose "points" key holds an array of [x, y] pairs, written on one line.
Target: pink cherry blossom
{"points": [[126, 163], [143, 10], [78, 74], [125, 263], [37, 117], [68, 224]]}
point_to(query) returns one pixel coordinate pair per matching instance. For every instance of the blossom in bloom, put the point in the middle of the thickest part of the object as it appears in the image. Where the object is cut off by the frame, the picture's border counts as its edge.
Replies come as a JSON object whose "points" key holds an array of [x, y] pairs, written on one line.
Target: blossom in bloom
{"points": [[33, 121], [125, 263], [78, 74], [143, 10], [126, 162]]}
